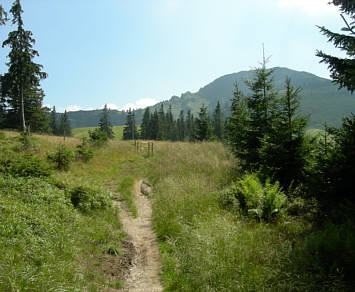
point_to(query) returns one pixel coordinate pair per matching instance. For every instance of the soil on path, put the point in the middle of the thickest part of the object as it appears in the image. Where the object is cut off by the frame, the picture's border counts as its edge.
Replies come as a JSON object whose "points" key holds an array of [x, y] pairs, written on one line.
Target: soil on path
{"points": [[143, 276]]}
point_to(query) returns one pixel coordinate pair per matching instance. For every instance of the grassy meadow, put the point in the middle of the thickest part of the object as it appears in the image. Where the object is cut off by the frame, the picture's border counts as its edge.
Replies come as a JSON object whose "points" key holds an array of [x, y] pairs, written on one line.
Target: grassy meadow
{"points": [[49, 243], [84, 132]]}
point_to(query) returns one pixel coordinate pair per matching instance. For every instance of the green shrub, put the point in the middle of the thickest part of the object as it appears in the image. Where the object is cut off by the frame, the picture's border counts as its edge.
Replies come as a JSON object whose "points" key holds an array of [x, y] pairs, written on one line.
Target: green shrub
{"points": [[253, 198], [98, 138], [87, 199], [274, 200], [227, 199], [2, 135], [83, 151], [23, 164], [61, 158], [330, 252], [37, 227]]}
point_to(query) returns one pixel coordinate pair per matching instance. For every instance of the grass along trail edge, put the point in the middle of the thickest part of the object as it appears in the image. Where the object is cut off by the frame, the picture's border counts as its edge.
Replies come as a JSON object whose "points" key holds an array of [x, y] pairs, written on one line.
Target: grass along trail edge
{"points": [[144, 273]]}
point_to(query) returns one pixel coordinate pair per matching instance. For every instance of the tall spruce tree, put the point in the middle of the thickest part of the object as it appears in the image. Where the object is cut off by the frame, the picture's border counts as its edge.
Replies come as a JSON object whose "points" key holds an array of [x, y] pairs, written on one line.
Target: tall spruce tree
{"points": [[130, 129], [53, 125], [218, 126], [145, 126], [64, 126], [342, 69], [105, 123], [3, 15], [334, 187], [161, 134], [283, 154], [260, 106], [21, 84], [154, 125], [181, 126], [190, 126], [203, 130], [237, 125]]}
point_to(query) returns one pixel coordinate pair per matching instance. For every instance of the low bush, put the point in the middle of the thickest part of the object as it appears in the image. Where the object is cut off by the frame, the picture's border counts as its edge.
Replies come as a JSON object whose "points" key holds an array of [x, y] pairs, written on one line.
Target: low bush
{"points": [[23, 164], [2, 135], [61, 158], [98, 138], [83, 151], [87, 199], [330, 252], [253, 198]]}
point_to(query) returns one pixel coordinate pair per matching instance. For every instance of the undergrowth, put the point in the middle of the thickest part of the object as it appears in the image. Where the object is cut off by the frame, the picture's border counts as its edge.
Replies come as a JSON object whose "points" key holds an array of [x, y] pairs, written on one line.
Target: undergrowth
{"points": [[126, 191], [208, 248]]}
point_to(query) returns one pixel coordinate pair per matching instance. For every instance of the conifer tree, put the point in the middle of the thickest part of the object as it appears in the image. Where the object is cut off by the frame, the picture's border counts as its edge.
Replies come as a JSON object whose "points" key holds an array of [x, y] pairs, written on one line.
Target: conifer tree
{"points": [[190, 126], [105, 123], [21, 84], [203, 130], [161, 134], [3, 15], [154, 125], [53, 122], [260, 107], [181, 126], [218, 122], [130, 129], [237, 125], [342, 69], [283, 153], [64, 126], [145, 126]]}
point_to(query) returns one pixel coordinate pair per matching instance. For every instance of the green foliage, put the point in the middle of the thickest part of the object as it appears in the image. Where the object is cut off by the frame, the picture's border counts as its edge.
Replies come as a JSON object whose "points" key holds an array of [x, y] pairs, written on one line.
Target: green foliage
{"points": [[105, 123], [20, 86], [253, 198], [2, 135], [126, 191], [61, 158], [203, 129], [83, 151], [331, 174], [87, 199], [53, 125], [330, 252], [218, 127], [342, 69], [284, 151], [64, 125], [97, 137], [37, 229], [227, 199], [130, 129], [23, 164]]}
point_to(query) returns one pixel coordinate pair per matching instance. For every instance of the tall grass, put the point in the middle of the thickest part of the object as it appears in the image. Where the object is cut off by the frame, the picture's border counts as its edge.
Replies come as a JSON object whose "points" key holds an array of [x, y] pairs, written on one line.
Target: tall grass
{"points": [[205, 248], [47, 242]]}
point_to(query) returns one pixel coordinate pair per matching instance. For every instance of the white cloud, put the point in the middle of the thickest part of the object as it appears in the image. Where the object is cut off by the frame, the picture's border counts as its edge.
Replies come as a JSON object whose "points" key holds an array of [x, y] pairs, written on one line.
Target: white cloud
{"points": [[73, 108], [142, 103], [312, 7], [110, 106]]}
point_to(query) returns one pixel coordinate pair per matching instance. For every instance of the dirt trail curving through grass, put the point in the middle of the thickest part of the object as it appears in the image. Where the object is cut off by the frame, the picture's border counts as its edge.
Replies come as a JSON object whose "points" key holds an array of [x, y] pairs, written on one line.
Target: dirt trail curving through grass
{"points": [[143, 276]]}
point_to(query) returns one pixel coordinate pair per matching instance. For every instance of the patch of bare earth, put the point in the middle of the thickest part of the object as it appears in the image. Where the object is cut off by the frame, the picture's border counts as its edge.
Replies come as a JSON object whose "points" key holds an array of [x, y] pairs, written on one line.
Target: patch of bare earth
{"points": [[143, 274]]}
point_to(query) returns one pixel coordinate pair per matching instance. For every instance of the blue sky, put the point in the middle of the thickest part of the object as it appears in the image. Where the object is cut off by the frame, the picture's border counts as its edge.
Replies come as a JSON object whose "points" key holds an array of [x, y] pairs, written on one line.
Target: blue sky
{"points": [[133, 53]]}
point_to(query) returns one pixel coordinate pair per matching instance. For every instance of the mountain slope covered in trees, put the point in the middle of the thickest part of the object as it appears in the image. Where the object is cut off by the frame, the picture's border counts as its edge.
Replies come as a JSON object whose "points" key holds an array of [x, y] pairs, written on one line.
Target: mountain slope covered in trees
{"points": [[320, 98]]}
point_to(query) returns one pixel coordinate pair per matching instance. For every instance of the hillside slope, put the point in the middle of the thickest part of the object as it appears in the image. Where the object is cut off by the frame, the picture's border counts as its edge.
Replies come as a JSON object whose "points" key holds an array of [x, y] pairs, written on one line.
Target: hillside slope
{"points": [[320, 98]]}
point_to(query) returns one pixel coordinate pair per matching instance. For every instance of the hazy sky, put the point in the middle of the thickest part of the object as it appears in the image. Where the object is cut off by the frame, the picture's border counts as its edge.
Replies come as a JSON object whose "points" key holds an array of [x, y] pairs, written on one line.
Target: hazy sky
{"points": [[137, 52]]}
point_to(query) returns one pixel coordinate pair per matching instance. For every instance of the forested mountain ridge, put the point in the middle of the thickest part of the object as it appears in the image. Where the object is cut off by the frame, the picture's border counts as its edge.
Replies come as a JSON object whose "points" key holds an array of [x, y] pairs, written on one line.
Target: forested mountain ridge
{"points": [[320, 99]]}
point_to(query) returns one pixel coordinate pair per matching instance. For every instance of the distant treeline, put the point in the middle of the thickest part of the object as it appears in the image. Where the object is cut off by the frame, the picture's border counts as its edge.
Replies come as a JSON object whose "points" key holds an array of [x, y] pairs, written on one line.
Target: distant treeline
{"points": [[161, 125]]}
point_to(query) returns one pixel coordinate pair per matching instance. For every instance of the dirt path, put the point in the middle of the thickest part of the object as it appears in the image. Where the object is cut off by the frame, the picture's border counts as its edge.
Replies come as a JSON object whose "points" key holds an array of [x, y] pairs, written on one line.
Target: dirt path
{"points": [[144, 273]]}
